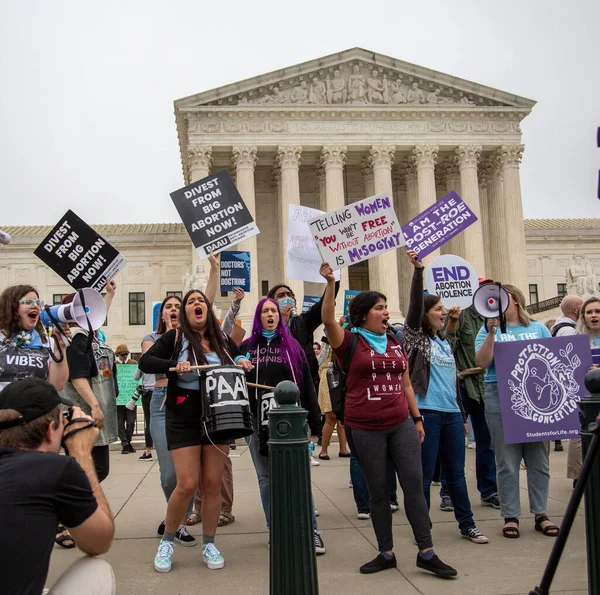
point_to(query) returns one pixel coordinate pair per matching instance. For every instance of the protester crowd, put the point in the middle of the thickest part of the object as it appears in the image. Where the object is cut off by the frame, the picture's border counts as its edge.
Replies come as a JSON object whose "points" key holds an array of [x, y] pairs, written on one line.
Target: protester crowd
{"points": [[407, 395]]}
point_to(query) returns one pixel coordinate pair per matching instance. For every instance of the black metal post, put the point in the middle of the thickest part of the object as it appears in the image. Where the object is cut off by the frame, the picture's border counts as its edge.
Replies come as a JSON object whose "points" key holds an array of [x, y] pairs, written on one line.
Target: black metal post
{"points": [[293, 565], [589, 482]]}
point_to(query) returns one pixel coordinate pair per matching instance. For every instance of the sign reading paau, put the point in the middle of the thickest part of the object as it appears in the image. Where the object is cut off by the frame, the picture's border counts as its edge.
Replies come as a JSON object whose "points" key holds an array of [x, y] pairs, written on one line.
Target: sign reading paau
{"points": [[357, 232], [214, 213], [453, 279], [540, 382], [79, 254], [437, 224]]}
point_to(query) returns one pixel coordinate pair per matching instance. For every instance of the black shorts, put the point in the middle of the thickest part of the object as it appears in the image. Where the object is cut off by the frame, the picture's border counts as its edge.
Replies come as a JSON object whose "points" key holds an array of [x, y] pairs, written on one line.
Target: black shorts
{"points": [[184, 425]]}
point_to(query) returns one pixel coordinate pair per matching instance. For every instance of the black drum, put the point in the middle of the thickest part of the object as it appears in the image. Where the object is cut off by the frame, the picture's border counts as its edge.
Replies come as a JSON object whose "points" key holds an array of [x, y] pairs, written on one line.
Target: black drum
{"points": [[226, 408]]}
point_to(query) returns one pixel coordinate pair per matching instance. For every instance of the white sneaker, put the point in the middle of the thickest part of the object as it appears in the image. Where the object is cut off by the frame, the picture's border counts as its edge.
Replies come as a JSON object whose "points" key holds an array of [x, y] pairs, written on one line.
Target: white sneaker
{"points": [[316, 512], [363, 515], [470, 444], [212, 557], [314, 462], [162, 561]]}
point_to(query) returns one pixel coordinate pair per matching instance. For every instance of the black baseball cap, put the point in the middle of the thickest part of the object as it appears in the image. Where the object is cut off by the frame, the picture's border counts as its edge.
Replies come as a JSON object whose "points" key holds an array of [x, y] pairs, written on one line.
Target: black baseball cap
{"points": [[31, 397]]}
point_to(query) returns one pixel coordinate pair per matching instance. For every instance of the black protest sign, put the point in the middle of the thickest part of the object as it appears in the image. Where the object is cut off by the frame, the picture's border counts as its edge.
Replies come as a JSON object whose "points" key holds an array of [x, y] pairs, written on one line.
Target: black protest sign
{"points": [[80, 255], [214, 213]]}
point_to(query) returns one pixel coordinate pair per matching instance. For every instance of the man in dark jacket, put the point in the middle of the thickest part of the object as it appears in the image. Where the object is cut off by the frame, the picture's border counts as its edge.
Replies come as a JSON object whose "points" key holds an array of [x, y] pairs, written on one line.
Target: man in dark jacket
{"points": [[301, 326]]}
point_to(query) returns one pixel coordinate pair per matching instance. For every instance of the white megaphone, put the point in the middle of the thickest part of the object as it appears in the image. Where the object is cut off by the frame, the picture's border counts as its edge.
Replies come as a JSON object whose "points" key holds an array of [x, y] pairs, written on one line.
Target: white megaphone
{"points": [[93, 313], [491, 301]]}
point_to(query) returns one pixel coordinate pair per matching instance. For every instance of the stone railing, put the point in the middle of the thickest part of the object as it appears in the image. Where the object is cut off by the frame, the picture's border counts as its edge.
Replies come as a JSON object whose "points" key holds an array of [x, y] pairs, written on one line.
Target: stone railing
{"points": [[545, 305]]}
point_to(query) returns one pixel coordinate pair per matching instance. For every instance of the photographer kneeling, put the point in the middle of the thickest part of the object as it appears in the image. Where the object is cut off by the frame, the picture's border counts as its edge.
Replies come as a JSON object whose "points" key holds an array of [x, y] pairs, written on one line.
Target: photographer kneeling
{"points": [[39, 488]]}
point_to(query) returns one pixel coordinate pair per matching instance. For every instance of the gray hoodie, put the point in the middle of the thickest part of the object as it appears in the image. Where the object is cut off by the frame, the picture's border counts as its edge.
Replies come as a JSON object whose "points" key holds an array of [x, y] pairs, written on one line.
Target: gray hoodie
{"points": [[565, 330]]}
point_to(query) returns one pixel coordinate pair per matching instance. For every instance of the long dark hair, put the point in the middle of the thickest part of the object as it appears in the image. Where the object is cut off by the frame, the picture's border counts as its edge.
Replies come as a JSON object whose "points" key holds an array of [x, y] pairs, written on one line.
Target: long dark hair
{"points": [[361, 304], [9, 310], [212, 332], [162, 325], [429, 301], [288, 343]]}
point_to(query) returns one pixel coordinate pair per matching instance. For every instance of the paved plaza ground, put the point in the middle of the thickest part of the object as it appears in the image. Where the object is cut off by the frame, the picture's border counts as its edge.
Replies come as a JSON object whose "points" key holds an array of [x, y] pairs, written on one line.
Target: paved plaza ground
{"points": [[502, 567]]}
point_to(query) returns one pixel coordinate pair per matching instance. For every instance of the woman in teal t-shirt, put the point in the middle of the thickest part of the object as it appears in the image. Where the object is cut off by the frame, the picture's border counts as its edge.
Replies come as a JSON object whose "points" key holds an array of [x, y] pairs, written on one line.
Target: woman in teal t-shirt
{"points": [[519, 327]]}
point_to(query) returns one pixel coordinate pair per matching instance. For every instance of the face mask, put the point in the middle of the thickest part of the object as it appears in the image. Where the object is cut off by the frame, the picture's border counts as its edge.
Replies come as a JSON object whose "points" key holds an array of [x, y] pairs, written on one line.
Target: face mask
{"points": [[286, 301]]}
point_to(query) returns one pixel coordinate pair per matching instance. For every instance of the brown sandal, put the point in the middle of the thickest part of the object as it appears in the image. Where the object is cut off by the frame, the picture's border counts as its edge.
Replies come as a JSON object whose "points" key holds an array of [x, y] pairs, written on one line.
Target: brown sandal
{"points": [[550, 530], [225, 518], [511, 532], [193, 519]]}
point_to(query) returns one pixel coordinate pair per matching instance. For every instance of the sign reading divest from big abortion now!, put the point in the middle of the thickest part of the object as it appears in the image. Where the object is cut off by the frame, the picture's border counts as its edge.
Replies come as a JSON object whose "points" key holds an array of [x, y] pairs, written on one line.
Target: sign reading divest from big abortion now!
{"points": [[437, 224], [357, 231], [79, 254], [540, 382], [453, 279], [214, 213]]}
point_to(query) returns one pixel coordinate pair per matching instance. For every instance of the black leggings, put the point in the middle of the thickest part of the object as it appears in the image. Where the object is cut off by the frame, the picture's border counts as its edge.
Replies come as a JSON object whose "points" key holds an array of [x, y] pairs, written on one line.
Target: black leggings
{"points": [[401, 444], [146, 398]]}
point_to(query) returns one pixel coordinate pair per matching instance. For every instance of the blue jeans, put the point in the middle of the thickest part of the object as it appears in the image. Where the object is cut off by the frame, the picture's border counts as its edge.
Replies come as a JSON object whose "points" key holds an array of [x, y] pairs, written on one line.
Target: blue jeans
{"points": [[168, 477], [359, 484], [445, 434], [261, 466], [508, 461], [485, 463]]}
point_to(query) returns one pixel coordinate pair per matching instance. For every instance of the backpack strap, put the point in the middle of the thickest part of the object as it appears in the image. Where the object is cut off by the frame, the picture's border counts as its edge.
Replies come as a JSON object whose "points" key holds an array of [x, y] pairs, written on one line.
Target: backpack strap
{"points": [[349, 353], [562, 325]]}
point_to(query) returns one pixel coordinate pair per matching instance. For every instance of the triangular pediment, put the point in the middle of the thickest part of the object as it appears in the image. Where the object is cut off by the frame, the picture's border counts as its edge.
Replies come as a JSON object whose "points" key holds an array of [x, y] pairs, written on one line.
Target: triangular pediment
{"points": [[355, 77]]}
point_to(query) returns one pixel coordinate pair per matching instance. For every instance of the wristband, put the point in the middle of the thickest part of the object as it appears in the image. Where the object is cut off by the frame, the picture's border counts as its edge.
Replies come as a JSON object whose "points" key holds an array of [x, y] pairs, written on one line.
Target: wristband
{"points": [[418, 418], [237, 358]]}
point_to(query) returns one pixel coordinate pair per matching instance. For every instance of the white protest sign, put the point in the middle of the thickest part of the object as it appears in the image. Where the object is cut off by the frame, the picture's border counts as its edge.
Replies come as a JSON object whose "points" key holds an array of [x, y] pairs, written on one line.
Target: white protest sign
{"points": [[453, 279], [357, 232], [303, 259]]}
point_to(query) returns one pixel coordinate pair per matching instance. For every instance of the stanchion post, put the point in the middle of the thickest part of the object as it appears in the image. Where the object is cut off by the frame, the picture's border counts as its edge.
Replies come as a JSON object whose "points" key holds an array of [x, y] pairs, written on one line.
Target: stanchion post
{"points": [[293, 566], [588, 410]]}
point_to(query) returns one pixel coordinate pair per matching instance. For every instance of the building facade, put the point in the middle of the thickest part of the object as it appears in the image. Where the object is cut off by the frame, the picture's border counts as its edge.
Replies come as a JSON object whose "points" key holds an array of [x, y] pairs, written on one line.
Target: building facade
{"points": [[324, 134]]}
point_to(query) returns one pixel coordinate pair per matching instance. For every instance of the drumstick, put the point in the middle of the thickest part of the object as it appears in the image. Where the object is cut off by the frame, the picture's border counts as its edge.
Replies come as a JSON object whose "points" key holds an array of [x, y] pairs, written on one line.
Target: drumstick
{"points": [[260, 385], [197, 367]]}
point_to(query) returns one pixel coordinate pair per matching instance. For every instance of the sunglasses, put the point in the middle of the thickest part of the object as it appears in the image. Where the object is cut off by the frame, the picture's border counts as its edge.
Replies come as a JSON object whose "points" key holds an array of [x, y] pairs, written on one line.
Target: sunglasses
{"points": [[30, 302]]}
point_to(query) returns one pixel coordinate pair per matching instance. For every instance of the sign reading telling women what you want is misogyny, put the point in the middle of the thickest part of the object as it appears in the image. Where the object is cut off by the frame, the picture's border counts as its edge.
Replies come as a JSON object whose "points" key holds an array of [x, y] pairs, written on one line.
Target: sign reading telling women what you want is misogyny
{"points": [[437, 224], [214, 213], [79, 254], [357, 231]]}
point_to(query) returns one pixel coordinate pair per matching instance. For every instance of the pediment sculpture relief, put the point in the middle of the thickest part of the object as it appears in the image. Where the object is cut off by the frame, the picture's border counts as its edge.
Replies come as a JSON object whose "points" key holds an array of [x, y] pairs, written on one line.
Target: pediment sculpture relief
{"points": [[356, 86]]}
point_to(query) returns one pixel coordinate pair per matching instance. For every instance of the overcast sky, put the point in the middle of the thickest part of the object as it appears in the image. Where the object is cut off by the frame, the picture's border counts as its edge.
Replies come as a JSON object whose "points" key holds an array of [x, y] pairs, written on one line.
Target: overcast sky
{"points": [[86, 108]]}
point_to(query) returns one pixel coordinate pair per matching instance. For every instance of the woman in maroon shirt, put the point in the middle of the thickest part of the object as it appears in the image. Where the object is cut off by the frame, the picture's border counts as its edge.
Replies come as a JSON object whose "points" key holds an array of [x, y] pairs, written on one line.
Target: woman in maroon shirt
{"points": [[379, 398]]}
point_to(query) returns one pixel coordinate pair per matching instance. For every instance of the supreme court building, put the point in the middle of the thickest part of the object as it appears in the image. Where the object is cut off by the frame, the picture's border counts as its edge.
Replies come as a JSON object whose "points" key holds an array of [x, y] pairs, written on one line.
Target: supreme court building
{"points": [[335, 130], [324, 134]]}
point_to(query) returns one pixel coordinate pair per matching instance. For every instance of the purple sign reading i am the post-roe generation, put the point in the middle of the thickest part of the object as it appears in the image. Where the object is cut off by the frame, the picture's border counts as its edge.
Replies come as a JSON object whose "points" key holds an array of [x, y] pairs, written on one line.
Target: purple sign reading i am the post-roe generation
{"points": [[540, 382], [437, 224]]}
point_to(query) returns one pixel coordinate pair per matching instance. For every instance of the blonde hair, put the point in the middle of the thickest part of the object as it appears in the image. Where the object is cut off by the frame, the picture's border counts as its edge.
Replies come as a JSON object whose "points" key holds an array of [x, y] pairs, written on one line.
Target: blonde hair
{"points": [[518, 296], [582, 327]]}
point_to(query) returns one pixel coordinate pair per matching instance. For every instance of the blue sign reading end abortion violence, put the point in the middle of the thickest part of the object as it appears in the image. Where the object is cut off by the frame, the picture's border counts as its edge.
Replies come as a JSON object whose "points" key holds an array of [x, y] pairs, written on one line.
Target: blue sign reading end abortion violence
{"points": [[235, 270]]}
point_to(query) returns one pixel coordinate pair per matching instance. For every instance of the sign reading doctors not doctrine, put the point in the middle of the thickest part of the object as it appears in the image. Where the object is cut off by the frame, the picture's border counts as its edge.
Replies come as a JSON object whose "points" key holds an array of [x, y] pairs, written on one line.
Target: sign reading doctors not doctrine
{"points": [[357, 231], [214, 213], [235, 270], [453, 279], [79, 254], [540, 382], [437, 224]]}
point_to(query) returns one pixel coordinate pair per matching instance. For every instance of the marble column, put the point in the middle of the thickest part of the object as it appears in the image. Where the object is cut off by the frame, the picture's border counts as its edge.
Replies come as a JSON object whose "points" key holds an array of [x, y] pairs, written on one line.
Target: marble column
{"points": [[289, 158], [369, 180], [381, 159], [451, 175], [322, 187], [425, 157], [468, 158], [498, 264], [244, 160], [333, 159], [482, 178], [510, 156], [199, 162], [407, 192]]}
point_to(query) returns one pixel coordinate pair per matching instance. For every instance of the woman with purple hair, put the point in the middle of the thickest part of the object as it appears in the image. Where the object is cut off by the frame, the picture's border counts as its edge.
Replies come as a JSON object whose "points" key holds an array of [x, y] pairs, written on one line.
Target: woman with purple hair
{"points": [[276, 356]]}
